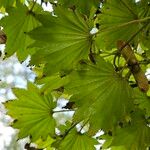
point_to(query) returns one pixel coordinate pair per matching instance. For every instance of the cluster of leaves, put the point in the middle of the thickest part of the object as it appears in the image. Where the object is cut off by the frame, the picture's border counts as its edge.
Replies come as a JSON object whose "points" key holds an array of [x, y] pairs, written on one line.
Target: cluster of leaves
{"points": [[74, 54]]}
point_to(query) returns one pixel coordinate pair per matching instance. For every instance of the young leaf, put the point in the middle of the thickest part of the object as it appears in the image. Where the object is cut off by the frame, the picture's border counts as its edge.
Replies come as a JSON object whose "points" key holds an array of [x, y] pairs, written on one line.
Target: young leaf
{"points": [[62, 40], [32, 113], [45, 144], [51, 83], [77, 141], [101, 95]]}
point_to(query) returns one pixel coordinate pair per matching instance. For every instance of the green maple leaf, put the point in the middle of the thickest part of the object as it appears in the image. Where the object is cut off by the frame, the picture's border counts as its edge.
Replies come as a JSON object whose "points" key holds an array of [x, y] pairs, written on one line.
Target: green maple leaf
{"points": [[144, 11], [6, 3], [82, 5], [134, 136], [145, 37], [102, 96], [116, 22], [32, 113], [19, 21], [62, 40], [77, 141], [143, 101], [45, 144], [51, 83]]}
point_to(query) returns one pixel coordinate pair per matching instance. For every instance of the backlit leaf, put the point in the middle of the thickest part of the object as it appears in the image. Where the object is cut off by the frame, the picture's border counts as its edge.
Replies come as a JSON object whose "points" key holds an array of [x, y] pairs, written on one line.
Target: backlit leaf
{"points": [[62, 40], [51, 83], [82, 5], [77, 141], [134, 136], [6, 3], [19, 21], [45, 144], [143, 101], [116, 22], [32, 113], [144, 11], [101, 95]]}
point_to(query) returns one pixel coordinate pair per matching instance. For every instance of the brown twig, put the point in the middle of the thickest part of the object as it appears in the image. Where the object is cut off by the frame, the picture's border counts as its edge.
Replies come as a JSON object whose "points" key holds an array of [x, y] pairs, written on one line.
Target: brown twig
{"points": [[3, 37]]}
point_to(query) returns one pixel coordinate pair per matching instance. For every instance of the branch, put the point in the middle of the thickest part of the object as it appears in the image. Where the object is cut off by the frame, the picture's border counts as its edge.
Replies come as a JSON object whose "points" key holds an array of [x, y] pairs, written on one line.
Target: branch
{"points": [[3, 37], [133, 65], [67, 132], [34, 2], [135, 85], [127, 23], [84, 125], [58, 111], [126, 44]]}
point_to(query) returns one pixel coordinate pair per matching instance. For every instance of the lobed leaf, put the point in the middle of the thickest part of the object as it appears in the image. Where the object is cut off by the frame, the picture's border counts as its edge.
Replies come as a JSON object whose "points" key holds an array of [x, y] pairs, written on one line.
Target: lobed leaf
{"points": [[143, 101], [62, 41], [116, 23], [19, 21], [102, 96], [6, 3], [32, 113], [77, 141], [132, 136], [51, 83], [83, 6]]}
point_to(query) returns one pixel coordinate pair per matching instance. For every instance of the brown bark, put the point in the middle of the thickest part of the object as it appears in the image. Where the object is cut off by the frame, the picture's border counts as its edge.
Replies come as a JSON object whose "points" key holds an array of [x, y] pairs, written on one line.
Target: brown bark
{"points": [[133, 64], [3, 37]]}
